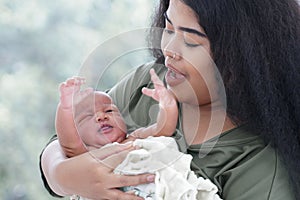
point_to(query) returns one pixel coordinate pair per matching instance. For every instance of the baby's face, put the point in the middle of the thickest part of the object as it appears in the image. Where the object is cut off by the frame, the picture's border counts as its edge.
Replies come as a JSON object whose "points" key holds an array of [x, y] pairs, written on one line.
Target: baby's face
{"points": [[99, 121]]}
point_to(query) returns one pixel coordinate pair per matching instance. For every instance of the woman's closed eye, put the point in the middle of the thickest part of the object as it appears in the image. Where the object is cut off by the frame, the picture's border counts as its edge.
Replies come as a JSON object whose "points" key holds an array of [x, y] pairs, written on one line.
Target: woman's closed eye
{"points": [[192, 40], [188, 42], [191, 44], [83, 117]]}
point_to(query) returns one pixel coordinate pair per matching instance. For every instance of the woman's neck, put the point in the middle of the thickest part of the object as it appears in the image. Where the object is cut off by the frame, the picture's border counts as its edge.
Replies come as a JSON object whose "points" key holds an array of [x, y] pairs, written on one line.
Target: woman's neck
{"points": [[201, 123]]}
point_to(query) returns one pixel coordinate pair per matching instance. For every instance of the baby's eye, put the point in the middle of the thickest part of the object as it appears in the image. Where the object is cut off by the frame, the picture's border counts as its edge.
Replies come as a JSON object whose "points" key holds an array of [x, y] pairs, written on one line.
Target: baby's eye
{"points": [[82, 118], [109, 111]]}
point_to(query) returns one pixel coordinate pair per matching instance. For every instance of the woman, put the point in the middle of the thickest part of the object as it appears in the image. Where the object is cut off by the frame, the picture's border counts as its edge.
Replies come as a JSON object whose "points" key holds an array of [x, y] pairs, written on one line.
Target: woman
{"points": [[248, 143]]}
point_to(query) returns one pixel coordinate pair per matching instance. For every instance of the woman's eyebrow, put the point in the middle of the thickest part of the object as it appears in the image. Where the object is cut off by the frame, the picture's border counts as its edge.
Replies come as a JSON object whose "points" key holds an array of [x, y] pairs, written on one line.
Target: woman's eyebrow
{"points": [[190, 30], [185, 29]]}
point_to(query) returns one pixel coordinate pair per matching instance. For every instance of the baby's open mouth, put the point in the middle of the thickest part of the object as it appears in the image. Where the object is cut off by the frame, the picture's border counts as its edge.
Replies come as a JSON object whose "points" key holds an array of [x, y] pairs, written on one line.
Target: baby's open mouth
{"points": [[105, 128]]}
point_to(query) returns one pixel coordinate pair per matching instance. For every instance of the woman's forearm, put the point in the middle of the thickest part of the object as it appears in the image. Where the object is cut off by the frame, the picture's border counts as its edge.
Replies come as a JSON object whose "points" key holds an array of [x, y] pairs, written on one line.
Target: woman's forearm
{"points": [[51, 158], [90, 174]]}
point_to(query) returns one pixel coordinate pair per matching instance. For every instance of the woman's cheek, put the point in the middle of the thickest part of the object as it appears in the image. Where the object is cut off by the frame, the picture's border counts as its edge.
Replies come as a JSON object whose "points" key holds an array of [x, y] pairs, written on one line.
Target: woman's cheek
{"points": [[165, 39], [162, 44]]}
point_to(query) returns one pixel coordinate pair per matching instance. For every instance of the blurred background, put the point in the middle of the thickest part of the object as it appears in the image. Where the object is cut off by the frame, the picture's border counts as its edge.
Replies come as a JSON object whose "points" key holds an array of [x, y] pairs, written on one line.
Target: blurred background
{"points": [[42, 43]]}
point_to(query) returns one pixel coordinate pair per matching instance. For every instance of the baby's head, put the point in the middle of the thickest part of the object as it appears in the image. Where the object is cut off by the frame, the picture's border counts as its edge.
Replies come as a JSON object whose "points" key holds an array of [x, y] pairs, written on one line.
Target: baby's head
{"points": [[99, 121]]}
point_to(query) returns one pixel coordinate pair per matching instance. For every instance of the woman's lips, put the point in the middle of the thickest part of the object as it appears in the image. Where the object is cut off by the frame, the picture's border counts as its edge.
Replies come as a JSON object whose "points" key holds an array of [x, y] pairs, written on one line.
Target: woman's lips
{"points": [[174, 77]]}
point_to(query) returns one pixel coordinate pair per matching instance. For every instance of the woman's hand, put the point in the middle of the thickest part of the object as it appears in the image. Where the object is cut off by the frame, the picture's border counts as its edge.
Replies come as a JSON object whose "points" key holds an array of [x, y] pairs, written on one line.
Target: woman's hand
{"points": [[91, 174]]}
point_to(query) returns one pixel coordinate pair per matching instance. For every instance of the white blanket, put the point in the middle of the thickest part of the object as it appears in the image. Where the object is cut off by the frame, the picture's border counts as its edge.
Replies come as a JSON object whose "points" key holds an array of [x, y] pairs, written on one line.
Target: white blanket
{"points": [[174, 180]]}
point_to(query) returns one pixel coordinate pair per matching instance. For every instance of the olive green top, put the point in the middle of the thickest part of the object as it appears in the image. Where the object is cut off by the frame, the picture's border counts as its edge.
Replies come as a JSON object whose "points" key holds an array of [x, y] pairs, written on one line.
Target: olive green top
{"points": [[241, 165], [238, 161]]}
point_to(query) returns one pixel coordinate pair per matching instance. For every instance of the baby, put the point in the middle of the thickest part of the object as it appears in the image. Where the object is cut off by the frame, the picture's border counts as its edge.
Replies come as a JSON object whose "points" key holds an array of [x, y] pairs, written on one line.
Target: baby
{"points": [[88, 119]]}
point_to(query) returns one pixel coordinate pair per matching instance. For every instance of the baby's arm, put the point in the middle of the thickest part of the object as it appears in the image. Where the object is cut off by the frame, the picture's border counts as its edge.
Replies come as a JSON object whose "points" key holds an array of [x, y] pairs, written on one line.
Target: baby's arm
{"points": [[68, 136], [168, 111]]}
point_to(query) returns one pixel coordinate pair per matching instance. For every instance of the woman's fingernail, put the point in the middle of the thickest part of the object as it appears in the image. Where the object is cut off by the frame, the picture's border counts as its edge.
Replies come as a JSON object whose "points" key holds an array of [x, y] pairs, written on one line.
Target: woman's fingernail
{"points": [[150, 178], [128, 144]]}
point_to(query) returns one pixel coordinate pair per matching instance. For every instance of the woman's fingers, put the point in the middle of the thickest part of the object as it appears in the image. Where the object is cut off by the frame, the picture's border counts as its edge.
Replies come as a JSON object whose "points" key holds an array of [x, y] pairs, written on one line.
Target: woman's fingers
{"points": [[114, 160], [132, 180], [114, 155], [110, 150], [119, 195]]}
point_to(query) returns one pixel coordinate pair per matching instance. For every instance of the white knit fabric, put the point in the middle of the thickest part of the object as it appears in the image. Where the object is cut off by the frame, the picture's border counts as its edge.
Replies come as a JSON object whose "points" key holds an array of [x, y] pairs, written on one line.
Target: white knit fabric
{"points": [[174, 180]]}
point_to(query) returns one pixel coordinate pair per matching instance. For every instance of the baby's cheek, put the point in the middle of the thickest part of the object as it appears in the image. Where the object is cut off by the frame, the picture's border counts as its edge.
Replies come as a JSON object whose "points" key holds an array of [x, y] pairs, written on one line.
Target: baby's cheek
{"points": [[121, 124]]}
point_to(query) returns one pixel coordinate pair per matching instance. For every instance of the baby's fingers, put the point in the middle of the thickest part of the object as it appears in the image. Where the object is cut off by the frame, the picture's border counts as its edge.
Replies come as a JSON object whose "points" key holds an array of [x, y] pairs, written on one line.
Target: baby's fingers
{"points": [[82, 94], [76, 80], [86, 92], [148, 92], [155, 79]]}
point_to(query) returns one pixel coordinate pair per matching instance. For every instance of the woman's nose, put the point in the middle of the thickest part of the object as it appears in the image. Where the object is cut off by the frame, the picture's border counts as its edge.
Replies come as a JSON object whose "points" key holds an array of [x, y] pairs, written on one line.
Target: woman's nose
{"points": [[171, 48], [171, 54], [101, 116], [171, 43]]}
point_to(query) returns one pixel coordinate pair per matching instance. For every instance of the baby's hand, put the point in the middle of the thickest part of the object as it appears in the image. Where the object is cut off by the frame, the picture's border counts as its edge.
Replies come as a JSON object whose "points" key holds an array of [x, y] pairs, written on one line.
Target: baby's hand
{"points": [[160, 93], [70, 93]]}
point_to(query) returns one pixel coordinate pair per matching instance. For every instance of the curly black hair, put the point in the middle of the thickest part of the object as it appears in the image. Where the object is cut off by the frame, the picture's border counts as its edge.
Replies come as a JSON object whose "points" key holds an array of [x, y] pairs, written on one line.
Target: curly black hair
{"points": [[255, 45]]}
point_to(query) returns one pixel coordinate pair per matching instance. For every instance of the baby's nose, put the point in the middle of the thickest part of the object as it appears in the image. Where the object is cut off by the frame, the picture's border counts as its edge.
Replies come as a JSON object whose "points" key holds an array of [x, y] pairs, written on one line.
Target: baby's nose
{"points": [[101, 116]]}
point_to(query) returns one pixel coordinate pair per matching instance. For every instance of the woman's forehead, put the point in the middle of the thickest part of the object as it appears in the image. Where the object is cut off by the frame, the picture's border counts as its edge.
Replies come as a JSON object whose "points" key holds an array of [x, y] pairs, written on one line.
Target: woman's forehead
{"points": [[182, 15]]}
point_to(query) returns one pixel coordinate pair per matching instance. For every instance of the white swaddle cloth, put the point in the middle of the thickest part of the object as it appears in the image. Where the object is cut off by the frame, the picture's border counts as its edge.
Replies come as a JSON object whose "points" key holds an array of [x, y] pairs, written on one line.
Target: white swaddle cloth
{"points": [[174, 180]]}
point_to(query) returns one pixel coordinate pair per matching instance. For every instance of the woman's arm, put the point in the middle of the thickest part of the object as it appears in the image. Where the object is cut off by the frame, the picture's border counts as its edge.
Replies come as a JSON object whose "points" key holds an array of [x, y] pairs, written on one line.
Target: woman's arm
{"points": [[91, 174]]}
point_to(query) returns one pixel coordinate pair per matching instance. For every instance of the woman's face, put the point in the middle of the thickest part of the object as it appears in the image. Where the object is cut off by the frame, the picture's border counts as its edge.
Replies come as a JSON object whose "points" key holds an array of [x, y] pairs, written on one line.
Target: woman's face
{"points": [[191, 74]]}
